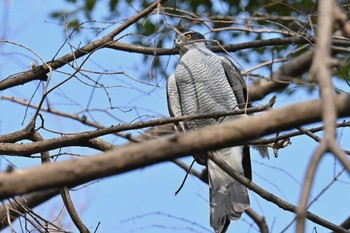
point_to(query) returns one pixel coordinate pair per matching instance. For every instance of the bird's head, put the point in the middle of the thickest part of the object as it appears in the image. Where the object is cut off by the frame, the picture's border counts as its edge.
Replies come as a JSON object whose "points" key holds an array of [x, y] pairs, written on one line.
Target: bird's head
{"points": [[189, 40]]}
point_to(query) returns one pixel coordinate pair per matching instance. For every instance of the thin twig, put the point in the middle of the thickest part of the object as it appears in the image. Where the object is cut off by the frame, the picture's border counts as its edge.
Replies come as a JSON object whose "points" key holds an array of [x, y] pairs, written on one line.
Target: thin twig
{"points": [[42, 70], [184, 179], [82, 137], [68, 203], [45, 157], [259, 220]]}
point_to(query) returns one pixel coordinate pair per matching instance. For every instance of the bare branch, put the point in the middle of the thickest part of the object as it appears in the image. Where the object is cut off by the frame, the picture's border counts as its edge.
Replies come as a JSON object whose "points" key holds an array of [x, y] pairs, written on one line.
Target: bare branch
{"points": [[30, 201], [346, 223], [281, 78], [259, 220], [342, 19], [39, 72], [295, 133], [309, 133], [321, 70], [117, 45], [80, 139], [22, 134], [72, 211], [133, 156], [82, 65], [34, 199]]}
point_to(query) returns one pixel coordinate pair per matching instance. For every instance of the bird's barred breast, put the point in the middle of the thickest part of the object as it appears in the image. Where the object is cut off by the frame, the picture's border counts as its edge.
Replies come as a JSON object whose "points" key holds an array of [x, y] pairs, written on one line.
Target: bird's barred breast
{"points": [[203, 86]]}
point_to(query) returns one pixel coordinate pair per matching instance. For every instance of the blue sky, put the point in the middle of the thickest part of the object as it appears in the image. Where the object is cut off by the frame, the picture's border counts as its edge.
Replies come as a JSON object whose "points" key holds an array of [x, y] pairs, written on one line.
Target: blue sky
{"points": [[143, 200]]}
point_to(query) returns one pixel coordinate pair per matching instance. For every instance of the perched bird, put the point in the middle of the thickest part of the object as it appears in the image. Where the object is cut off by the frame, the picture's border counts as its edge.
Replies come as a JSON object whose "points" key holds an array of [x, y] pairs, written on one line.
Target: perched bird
{"points": [[205, 83]]}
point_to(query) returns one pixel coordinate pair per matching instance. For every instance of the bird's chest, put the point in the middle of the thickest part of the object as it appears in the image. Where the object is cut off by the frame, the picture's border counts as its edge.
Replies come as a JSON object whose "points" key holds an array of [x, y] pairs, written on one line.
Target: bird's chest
{"points": [[202, 84], [197, 69]]}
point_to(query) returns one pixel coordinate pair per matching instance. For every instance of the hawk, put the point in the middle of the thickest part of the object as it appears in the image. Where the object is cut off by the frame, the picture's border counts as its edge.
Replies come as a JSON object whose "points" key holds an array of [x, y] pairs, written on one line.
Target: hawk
{"points": [[206, 83]]}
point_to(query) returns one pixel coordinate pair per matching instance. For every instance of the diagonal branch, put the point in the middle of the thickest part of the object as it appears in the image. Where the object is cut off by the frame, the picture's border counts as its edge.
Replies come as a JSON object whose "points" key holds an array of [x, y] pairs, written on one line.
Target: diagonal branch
{"points": [[133, 156], [281, 78], [272, 198], [79, 139], [342, 19], [39, 72]]}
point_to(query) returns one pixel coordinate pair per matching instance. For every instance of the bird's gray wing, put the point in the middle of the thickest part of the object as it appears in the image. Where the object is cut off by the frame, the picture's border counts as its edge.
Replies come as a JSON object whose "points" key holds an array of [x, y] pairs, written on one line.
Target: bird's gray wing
{"points": [[236, 82], [239, 88], [173, 98]]}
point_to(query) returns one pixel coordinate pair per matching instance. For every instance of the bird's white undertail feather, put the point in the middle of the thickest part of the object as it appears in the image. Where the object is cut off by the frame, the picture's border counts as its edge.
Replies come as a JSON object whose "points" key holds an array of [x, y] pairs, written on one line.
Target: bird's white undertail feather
{"points": [[262, 149], [228, 198]]}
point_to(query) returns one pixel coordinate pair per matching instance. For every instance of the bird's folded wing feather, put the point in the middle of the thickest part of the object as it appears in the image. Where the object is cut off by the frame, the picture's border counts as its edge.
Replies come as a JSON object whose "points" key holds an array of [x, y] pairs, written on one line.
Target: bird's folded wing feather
{"points": [[236, 81], [239, 88], [173, 99]]}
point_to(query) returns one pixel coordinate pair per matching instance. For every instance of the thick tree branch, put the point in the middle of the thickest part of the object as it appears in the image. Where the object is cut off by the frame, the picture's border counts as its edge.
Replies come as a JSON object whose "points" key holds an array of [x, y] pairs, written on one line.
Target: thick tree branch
{"points": [[11, 211], [133, 156], [282, 77], [22, 134]]}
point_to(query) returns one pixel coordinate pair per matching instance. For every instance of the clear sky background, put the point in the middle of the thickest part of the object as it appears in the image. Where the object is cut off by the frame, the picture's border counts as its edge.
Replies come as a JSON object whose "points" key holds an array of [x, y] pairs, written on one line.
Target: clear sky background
{"points": [[144, 200]]}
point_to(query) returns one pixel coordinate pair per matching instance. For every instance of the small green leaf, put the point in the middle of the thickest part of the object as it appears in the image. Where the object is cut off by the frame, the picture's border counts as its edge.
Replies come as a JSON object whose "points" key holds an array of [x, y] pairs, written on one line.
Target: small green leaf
{"points": [[112, 5], [74, 24], [56, 14], [89, 4]]}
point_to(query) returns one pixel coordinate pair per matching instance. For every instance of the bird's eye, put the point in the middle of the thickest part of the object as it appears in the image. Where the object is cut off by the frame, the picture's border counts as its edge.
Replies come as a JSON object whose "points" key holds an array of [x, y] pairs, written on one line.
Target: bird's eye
{"points": [[188, 36]]}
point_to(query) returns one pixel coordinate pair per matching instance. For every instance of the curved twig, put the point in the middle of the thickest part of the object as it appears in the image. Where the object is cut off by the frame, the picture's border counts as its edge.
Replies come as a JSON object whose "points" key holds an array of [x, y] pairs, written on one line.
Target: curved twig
{"points": [[72, 211]]}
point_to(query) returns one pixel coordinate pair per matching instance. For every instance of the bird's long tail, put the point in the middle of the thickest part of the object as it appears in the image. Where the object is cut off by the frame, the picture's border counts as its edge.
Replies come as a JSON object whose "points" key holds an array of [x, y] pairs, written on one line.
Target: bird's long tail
{"points": [[228, 198]]}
